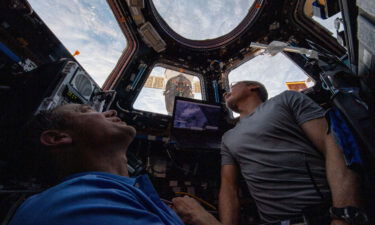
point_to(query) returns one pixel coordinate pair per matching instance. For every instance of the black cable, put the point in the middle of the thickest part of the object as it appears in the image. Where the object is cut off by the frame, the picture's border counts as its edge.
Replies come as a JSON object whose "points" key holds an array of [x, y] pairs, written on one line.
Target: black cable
{"points": [[156, 171], [13, 209], [175, 162], [313, 180]]}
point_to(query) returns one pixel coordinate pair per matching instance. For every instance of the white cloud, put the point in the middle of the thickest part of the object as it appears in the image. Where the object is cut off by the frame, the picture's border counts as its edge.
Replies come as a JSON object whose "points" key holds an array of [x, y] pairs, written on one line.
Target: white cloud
{"points": [[200, 20], [87, 26], [196, 19], [90, 27], [205, 22], [216, 5], [272, 71]]}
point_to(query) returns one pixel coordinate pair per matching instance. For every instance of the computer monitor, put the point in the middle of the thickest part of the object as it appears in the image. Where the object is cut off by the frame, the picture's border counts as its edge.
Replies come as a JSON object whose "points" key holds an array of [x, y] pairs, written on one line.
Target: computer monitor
{"points": [[196, 124], [196, 115]]}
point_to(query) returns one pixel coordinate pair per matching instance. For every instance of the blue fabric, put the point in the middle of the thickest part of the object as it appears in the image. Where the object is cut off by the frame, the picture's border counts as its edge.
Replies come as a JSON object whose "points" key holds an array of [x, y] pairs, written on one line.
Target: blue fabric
{"points": [[344, 138], [97, 198], [9, 53]]}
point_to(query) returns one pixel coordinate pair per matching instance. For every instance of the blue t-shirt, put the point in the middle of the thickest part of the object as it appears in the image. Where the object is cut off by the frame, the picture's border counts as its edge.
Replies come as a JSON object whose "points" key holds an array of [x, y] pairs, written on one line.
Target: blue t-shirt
{"points": [[97, 198]]}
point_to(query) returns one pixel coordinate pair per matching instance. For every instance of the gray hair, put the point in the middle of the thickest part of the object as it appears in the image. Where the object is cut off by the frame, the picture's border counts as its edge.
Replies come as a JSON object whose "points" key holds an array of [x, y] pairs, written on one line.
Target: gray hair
{"points": [[262, 91], [36, 157], [44, 120]]}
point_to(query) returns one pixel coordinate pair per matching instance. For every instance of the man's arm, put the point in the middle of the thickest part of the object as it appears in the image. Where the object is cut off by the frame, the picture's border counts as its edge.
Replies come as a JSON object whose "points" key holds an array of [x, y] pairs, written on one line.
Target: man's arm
{"points": [[229, 205], [191, 212], [342, 181]]}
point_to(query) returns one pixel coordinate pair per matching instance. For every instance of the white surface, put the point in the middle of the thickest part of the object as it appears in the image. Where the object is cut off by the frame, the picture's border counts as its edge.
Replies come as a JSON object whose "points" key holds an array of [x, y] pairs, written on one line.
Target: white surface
{"points": [[152, 100], [329, 23]]}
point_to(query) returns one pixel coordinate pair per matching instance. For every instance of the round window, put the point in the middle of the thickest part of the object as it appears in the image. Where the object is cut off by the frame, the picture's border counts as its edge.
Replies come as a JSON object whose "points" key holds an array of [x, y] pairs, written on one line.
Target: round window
{"points": [[202, 20]]}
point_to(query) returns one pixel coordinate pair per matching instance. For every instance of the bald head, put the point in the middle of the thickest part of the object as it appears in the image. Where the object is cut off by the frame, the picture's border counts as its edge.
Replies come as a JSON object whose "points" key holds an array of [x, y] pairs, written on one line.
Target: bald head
{"points": [[80, 139], [245, 95], [90, 128]]}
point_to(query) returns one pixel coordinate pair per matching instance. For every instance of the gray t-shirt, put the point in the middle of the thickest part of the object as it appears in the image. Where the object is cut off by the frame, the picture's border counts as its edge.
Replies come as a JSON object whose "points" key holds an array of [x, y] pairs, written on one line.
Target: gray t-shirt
{"points": [[271, 148]]}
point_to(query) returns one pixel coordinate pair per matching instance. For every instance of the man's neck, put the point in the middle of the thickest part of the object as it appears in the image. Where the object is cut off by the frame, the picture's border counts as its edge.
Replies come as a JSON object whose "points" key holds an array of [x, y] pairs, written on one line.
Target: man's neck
{"points": [[114, 162], [248, 105]]}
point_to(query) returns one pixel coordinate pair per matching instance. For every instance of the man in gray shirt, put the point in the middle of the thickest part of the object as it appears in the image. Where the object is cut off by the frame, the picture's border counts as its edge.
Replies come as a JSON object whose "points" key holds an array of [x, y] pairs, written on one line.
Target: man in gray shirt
{"points": [[274, 145], [288, 160]]}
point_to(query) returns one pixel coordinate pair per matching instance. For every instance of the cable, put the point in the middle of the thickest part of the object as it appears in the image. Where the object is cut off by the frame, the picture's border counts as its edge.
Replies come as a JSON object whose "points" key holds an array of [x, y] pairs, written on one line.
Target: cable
{"points": [[197, 198], [175, 163], [149, 165], [313, 180], [122, 109], [157, 171], [13, 209]]}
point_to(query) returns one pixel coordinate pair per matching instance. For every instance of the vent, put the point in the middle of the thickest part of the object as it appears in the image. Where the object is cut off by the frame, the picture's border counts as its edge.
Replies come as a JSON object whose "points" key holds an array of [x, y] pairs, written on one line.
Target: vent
{"points": [[83, 84], [151, 37]]}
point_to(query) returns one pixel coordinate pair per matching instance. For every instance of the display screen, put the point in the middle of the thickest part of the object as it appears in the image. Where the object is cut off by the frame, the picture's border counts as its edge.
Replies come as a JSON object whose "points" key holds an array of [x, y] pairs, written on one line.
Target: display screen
{"points": [[196, 116]]}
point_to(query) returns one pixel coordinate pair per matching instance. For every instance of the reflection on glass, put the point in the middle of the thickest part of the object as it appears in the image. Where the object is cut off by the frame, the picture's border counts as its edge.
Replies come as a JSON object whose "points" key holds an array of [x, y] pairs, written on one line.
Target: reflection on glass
{"points": [[161, 87], [87, 26], [200, 20]]}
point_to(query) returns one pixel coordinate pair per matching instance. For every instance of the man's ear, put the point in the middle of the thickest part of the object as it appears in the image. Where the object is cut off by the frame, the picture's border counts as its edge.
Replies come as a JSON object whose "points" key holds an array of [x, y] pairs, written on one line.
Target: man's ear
{"points": [[55, 138], [254, 87]]}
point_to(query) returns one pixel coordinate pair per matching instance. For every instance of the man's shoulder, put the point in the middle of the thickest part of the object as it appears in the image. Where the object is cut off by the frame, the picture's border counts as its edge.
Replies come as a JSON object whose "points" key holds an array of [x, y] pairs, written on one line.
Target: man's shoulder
{"points": [[93, 180], [97, 180], [76, 194], [79, 185], [286, 97], [228, 134], [98, 176], [288, 94]]}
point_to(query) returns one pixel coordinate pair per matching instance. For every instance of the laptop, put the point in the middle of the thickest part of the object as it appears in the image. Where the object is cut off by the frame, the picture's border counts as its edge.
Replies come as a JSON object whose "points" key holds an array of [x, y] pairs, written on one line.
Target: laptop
{"points": [[196, 124]]}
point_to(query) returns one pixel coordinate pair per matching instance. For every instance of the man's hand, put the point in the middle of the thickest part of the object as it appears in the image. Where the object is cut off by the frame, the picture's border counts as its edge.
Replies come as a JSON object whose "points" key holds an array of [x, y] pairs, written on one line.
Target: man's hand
{"points": [[338, 222], [191, 212]]}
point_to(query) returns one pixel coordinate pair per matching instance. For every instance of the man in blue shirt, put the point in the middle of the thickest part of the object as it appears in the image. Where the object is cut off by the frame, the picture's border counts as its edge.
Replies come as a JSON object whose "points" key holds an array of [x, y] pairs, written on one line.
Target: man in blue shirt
{"points": [[89, 151]]}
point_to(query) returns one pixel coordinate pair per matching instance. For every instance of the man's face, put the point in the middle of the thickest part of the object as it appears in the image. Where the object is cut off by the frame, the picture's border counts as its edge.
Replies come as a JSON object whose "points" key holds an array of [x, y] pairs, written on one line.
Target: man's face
{"points": [[238, 91], [92, 128]]}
